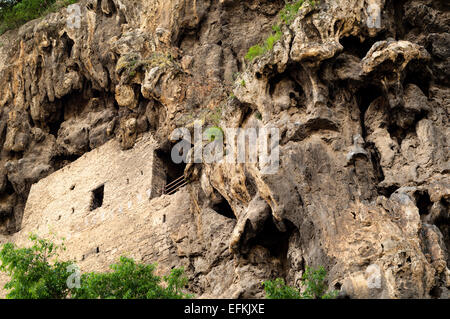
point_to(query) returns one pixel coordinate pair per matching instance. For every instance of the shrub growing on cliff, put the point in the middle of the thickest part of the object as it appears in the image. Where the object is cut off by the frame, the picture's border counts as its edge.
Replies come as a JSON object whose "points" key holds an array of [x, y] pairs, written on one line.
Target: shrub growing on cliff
{"points": [[258, 50], [36, 273], [277, 289], [315, 285], [290, 10], [16, 13], [286, 16], [313, 281], [129, 280]]}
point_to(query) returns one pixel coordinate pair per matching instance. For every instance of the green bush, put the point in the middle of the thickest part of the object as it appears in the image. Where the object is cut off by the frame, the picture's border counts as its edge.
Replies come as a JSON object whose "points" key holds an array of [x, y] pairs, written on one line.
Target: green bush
{"points": [[286, 16], [36, 273], [16, 13], [32, 274], [313, 281], [277, 289], [315, 285], [4, 4], [129, 280]]}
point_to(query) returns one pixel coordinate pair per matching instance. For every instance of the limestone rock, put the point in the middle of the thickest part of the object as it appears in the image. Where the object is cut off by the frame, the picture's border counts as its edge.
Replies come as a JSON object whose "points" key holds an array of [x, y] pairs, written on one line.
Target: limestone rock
{"points": [[360, 99]]}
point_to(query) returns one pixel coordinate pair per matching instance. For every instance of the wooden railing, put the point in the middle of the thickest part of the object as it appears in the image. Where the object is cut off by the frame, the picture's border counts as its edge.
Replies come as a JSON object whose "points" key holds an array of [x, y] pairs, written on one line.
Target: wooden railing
{"points": [[175, 185]]}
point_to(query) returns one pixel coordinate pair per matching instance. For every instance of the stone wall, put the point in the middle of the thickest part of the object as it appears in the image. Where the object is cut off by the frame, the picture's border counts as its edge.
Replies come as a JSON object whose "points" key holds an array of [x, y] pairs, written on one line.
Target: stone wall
{"points": [[132, 220]]}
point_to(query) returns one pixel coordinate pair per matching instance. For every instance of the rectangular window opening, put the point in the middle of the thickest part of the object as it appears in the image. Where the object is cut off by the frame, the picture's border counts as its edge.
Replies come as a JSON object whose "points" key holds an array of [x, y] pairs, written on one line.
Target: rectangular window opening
{"points": [[97, 197]]}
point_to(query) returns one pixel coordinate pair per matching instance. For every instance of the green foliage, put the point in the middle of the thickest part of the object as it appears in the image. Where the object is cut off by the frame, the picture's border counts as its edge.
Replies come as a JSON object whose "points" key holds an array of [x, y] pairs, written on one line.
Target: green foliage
{"points": [[276, 36], [129, 280], [36, 273], [258, 50], [290, 10], [254, 52], [33, 276], [258, 115], [313, 281], [277, 289], [175, 282], [20, 12], [286, 16], [315, 285]]}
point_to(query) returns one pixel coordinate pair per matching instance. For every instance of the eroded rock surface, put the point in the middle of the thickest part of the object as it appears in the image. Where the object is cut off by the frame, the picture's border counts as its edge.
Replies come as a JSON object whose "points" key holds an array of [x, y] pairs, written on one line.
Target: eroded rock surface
{"points": [[358, 89]]}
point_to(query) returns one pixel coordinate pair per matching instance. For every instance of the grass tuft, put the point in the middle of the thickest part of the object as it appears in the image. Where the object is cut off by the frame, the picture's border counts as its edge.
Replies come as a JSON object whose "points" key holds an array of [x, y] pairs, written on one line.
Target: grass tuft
{"points": [[14, 13], [287, 15]]}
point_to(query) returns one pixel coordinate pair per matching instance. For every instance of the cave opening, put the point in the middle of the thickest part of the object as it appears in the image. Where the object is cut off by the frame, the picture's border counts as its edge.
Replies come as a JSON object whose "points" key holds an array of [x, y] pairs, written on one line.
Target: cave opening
{"points": [[375, 159], [418, 73], [223, 208], [423, 202], [68, 44], [54, 127], [274, 240], [399, 133], [402, 25], [9, 189], [364, 97], [61, 160], [387, 191], [354, 46], [297, 95], [359, 47]]}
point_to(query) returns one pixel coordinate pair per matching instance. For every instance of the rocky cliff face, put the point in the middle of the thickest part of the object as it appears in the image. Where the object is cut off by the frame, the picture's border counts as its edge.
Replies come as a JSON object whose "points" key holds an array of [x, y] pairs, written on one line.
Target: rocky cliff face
{"points": [[358, 89]]}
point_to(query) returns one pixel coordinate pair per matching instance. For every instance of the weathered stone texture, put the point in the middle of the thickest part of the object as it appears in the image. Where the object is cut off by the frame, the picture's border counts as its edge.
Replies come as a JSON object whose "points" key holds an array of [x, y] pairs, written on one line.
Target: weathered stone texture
{"points": [[358, 89]]}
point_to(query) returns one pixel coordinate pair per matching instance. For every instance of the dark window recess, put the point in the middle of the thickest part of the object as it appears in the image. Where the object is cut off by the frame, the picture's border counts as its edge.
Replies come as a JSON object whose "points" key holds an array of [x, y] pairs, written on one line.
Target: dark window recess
{"points": [[97, 197]]}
